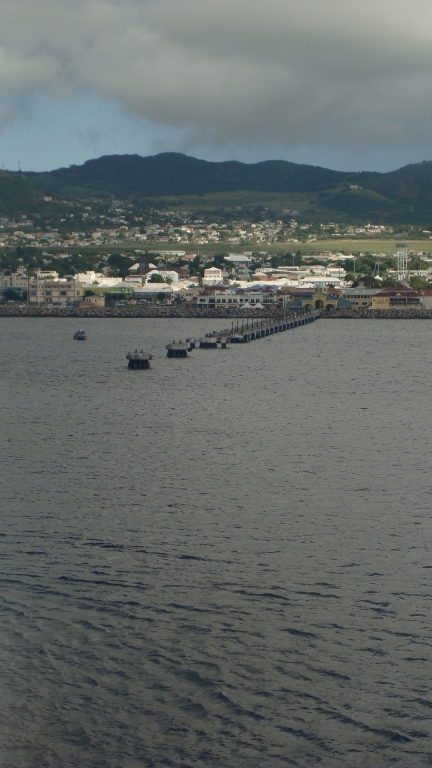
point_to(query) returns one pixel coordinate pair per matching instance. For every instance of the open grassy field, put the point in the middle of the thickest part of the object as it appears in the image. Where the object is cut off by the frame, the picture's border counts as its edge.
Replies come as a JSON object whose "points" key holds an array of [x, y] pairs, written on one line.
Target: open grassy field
{"points": [[237, 200], [354, 246]]}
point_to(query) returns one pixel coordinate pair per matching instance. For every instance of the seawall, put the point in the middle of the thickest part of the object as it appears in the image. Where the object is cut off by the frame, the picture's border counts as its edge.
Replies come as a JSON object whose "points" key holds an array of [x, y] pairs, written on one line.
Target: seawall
{"points": [[134, 311], [190, 312], [378, 314]]}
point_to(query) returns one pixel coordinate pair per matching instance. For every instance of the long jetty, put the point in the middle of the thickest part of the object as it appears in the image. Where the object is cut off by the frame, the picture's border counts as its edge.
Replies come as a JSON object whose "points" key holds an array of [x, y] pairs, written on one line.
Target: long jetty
{"points": [[256, 328], [250, 329]]}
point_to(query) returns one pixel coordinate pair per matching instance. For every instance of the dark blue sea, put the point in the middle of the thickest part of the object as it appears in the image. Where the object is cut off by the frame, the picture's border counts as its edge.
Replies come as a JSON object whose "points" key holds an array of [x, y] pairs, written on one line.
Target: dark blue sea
{"points": [[224, 561]]}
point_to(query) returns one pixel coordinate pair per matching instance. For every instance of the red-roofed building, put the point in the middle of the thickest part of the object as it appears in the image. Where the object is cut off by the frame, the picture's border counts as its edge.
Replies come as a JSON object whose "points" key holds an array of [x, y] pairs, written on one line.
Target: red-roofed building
{"points": [[426, 297], [396, 297]]}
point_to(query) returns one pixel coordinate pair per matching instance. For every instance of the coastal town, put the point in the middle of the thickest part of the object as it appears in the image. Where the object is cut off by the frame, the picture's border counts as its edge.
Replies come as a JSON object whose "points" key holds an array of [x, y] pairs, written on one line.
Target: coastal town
{"points": [[117, 255], [231, 287]]}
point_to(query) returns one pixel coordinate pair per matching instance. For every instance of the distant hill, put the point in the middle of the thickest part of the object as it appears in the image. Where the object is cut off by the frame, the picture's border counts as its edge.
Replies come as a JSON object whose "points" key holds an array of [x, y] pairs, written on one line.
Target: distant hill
{"points": [[172, 173], [17, 195], [404, 195]]}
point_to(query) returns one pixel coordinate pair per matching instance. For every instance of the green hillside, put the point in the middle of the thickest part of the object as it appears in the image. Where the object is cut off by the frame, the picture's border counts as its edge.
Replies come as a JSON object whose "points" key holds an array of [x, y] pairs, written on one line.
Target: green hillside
{"points": [[17, 196], [402, 196], [172, 173]]}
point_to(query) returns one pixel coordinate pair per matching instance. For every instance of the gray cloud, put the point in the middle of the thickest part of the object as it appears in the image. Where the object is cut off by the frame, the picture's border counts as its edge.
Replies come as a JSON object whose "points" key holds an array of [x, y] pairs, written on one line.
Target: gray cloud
{"points": [[244, 73]]}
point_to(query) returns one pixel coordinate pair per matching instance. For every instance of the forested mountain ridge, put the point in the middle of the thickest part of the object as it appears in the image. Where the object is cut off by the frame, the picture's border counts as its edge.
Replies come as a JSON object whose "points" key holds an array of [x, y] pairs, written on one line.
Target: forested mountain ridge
{"points": [[172, 173], [404, 195]]}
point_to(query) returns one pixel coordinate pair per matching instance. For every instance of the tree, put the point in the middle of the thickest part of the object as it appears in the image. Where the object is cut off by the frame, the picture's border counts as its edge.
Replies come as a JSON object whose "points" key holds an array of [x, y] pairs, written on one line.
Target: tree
{"points": [[116, 297], [419, 284], [195, 267], [119, 264], [219, 260], [370, 282], [416, 263], [155, 278]]}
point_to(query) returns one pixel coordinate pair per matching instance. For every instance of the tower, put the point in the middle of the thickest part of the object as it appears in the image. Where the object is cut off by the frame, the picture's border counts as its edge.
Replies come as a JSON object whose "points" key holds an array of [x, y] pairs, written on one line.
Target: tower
{"points": [[143, 263], [402, 261]]}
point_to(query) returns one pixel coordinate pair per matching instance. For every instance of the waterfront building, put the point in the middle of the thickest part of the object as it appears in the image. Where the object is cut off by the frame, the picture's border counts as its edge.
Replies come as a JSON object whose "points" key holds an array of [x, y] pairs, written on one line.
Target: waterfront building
{"points": [[360, 296], [226, 297], [62, 291], [92, 301], [307, 299], [399, 297]]}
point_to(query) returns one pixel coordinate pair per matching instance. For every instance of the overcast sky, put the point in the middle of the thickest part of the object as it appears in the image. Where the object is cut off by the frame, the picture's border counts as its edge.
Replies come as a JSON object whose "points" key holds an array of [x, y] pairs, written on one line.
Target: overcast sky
{"points": [[338, 83]]}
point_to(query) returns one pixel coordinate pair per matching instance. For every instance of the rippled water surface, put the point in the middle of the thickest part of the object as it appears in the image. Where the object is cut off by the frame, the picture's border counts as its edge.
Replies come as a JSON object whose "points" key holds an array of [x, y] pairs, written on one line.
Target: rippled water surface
{"points": [[223, 561]]}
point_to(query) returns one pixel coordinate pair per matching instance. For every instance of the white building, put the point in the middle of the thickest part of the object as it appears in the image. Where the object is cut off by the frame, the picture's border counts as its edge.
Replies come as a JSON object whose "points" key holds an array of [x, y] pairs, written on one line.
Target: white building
{"points": [[322, 280], [168, 275], [89, 277], [212, 276], [151, 290], [62, 291], [238, 260]]}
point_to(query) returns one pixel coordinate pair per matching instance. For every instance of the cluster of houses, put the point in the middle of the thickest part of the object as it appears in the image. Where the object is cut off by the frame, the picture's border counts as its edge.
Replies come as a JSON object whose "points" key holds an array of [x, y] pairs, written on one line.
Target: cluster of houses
{"points": [[119, 224], [92, 288]]}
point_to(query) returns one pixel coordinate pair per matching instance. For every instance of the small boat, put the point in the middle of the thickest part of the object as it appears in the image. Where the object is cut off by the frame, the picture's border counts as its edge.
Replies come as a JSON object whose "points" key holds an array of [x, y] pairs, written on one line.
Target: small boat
{"points": [[80, 335]]}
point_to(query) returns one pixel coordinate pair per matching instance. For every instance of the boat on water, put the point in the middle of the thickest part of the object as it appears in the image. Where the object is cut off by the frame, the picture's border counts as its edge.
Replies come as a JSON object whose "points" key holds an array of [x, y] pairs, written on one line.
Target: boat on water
{"points": [[80, 335]]}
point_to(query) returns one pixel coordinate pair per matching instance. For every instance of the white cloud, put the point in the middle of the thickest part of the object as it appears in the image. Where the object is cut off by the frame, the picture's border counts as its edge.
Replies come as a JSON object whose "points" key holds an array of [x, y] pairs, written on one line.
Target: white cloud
{"points": [[334, 73]]}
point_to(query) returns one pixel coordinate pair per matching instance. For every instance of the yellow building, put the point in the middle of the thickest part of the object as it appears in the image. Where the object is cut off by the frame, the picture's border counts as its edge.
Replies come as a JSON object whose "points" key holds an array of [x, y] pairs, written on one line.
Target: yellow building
{"points": [[305, 298], [93, 301], [380, 302]]}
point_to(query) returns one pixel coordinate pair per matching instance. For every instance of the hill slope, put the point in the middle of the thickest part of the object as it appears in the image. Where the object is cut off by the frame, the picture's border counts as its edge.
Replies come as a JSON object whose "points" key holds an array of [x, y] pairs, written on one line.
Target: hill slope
{"points": [[403, 195], [17, 195], [171, 173]]}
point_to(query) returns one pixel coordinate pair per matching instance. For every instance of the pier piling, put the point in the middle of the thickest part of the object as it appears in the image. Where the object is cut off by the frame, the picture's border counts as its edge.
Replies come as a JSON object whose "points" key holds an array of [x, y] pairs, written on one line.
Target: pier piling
{"points": [[138, 360]]}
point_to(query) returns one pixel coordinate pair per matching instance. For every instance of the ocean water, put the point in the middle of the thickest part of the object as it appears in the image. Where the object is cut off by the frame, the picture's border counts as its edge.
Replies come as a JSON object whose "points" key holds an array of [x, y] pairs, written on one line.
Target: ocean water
{"points": [[222, 561]]}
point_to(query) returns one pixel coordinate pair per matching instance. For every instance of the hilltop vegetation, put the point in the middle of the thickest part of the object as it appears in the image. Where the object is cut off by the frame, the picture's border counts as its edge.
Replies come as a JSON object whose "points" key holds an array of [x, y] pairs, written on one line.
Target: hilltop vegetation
{"points": [[403, 196], [16, 195], [172, 173]]}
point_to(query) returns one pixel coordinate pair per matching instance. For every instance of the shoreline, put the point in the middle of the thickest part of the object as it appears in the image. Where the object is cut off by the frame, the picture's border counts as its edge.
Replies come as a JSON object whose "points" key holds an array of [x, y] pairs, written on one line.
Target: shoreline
{"points": [[169, 313], [378, 314], [139, 312]]}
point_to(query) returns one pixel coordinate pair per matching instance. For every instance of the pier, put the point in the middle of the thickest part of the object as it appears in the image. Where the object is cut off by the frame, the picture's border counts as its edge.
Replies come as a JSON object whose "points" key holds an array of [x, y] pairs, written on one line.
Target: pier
{"points": [[255, 328], [249, 329]]}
